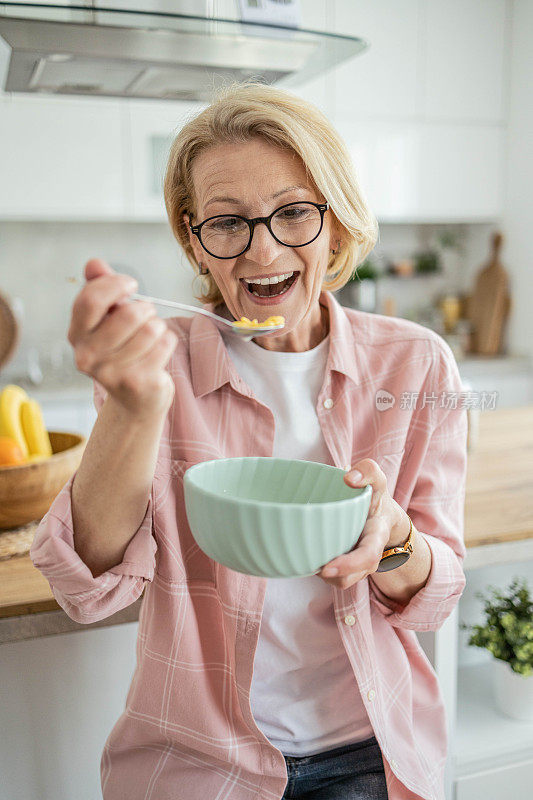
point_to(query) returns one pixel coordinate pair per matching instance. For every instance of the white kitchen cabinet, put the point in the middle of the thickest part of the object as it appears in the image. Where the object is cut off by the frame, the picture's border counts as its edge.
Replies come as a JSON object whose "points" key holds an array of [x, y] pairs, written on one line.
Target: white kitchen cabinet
{"points": [[382, 81], [463, 64], [439, 60], [318, 16], [491, 754], [423, 108], [428, 172], [152, 126], [496, 784], [61, 158]]}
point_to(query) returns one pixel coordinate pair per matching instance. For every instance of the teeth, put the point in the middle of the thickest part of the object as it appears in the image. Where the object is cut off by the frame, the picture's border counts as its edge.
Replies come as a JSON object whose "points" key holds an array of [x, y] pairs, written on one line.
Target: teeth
{"points": [[275, 279]]}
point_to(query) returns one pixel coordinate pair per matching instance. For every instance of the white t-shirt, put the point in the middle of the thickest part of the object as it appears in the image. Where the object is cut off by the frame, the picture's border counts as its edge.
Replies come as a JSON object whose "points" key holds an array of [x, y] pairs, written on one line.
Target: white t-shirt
{"points": [[304, 695]]}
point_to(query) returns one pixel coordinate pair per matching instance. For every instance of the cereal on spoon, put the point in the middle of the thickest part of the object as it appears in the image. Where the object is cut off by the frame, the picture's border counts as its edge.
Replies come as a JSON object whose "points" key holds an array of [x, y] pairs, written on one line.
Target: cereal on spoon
{"points": [[244, 322]]}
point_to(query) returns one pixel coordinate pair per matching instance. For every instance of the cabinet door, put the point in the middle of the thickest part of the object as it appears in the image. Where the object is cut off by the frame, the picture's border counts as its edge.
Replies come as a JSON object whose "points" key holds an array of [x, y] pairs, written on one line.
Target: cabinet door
{"points": [[511, 781], [318, 16], [420, 172], [463, 59], [152, 127], [60, 158], [382, 80]]}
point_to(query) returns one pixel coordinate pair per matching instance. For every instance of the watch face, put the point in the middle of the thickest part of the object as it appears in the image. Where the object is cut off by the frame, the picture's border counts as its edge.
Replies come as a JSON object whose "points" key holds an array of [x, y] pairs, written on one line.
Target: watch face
{"points": [[393, 561]]}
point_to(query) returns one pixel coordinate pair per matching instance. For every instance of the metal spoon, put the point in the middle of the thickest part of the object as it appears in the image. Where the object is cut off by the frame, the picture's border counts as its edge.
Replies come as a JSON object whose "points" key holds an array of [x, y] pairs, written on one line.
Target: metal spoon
{"points": [[242, 331]]}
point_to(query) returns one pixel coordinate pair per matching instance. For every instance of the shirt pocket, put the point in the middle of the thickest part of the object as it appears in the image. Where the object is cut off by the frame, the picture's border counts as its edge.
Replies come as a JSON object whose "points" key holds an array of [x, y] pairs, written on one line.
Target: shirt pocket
{"points": [[180, 558]]}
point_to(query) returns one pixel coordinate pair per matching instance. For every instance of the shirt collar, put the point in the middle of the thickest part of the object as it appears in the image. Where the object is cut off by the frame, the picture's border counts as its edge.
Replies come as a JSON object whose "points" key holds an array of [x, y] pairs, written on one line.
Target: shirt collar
{"points": [[212, 367]]}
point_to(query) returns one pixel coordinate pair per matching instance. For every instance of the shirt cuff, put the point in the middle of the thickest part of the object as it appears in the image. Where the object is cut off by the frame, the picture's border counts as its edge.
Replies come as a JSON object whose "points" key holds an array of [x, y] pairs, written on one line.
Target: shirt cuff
{"points": [[52, 552], [430, 606]]}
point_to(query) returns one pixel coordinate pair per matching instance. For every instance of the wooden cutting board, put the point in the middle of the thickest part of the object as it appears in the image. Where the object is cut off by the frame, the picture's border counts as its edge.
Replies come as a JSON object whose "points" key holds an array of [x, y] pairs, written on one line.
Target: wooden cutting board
{"points": [[489, 304]]}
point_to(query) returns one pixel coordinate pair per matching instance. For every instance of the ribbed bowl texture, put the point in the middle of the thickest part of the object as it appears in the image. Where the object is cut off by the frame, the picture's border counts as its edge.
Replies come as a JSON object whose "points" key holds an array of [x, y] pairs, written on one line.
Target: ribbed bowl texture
{"points": [[273, 517]]}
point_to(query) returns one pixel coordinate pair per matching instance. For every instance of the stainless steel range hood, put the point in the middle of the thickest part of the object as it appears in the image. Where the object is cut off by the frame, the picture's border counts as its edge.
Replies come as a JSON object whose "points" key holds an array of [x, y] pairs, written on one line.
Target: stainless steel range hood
{"points": [[107, 52]]}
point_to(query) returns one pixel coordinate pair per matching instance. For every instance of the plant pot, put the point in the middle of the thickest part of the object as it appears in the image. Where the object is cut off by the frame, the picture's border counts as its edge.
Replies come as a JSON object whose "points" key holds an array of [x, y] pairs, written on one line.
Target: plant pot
{"points": [[513, 692], [361, 294]]}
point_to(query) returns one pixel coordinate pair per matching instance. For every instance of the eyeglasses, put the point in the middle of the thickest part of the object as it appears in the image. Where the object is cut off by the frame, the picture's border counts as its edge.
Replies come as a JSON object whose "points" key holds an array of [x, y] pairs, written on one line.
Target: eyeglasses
{"points": [[230, 235]]}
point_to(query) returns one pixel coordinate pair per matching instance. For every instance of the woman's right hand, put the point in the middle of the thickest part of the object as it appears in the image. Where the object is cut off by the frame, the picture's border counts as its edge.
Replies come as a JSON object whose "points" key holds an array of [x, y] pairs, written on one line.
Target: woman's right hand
{"points": [[124, 345]]}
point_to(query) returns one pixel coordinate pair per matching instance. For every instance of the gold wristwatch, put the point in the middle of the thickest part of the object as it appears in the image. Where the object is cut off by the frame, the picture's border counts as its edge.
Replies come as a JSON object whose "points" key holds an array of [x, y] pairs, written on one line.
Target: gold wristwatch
{"points": [[396, 556]]}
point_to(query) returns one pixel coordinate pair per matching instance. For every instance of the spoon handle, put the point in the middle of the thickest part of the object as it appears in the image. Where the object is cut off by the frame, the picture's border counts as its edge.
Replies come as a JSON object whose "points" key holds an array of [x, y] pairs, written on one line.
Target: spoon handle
{"points": [[183, 306]]}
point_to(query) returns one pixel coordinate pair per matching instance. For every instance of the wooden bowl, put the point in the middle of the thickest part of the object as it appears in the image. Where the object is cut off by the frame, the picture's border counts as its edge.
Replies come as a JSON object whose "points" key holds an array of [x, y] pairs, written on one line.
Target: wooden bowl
{"points": [[27, 491]]}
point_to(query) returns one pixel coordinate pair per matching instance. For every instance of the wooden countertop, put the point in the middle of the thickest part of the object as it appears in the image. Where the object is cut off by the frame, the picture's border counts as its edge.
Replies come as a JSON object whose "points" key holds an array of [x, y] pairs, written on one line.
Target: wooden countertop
{"points": [[499, 485], [498, 507]]}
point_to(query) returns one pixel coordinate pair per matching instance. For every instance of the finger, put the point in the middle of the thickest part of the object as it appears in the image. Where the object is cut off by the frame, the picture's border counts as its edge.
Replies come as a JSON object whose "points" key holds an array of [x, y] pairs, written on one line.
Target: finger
{"points": [[366, 554], [96, 267], [126, 345], [149, 362], [118, 329], [95, 300], [346, 581], [371, 474]]}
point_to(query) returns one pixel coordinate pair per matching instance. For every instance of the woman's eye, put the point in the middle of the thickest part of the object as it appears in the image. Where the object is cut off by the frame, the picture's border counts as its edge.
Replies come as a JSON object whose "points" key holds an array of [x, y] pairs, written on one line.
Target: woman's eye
{"points": [[226, 224], [293, 213]]}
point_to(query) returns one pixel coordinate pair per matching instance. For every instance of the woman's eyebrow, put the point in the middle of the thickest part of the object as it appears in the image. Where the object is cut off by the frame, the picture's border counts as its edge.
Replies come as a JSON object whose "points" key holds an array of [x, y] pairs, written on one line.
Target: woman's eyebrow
{"points": [[239, 202]]}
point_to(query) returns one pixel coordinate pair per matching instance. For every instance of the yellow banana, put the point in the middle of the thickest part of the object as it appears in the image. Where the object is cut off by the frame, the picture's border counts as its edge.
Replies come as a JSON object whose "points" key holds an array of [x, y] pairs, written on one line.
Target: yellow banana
{"points": [[11, 399], [34, 429]]}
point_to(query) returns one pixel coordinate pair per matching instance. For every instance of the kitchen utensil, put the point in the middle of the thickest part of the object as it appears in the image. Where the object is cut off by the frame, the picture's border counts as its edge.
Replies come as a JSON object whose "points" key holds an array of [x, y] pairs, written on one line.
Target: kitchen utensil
{"points": [[489, 304], [9, 331], [27, 491], [273, 517], [242, 331]]}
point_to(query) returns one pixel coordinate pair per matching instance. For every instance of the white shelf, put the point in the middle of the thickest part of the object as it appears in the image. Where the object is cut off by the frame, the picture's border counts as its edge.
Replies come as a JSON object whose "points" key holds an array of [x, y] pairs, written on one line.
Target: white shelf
{"points": [[484, 737]]}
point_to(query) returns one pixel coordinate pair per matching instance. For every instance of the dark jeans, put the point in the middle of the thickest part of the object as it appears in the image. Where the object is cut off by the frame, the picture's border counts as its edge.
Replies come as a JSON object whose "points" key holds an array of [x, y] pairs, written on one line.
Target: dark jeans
{"points": [[352, 772]]}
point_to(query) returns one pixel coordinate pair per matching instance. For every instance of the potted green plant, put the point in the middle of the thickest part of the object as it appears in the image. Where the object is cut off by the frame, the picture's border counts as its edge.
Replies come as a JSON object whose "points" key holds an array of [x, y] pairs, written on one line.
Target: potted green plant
{"points": [[451, 249], [360, 291], [427, 262], [507, 634]]}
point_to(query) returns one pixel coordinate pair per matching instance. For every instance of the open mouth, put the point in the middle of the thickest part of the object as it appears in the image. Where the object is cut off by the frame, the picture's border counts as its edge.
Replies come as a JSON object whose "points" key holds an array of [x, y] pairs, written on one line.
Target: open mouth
{"points": [[269, 290]]}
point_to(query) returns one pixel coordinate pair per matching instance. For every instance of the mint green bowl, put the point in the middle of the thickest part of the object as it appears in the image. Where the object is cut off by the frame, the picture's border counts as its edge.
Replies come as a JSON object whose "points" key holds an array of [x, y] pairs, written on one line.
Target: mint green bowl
{"points": [[273, 517]]}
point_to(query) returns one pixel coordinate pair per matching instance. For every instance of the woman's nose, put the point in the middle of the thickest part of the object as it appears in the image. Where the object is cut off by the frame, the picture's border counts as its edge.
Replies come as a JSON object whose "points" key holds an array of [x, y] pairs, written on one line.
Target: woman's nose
{"points": [[263, 249]]}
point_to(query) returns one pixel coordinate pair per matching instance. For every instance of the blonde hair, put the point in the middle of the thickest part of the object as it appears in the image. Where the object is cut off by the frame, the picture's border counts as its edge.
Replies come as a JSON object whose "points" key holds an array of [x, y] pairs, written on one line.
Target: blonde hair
{"points": [[245, 110]]}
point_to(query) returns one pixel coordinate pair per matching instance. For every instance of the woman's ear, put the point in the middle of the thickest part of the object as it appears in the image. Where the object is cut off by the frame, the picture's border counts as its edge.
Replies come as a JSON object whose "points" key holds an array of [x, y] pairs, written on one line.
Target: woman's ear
{"points": [[336, 237], [193, 241]]}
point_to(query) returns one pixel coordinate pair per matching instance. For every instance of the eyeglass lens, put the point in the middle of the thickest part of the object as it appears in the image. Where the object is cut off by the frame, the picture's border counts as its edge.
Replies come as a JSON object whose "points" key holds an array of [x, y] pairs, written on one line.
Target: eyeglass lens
{"points": [[294, 226]]}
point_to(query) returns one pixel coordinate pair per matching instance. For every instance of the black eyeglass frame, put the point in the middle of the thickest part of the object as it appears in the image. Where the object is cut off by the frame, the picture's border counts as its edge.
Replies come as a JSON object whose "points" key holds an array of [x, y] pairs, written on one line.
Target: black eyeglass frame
{"points": [[322, 207]]}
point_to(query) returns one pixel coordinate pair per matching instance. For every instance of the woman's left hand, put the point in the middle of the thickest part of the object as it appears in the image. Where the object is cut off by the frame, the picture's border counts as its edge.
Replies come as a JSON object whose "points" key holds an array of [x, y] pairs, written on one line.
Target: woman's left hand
{"points": [[387, 525]]}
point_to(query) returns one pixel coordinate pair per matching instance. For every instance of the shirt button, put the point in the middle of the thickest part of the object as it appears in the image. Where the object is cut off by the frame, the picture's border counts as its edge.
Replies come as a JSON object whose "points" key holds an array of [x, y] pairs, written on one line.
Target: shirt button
{"points": [[394, 764], [328, 402], [349, 620], [371, 694]]}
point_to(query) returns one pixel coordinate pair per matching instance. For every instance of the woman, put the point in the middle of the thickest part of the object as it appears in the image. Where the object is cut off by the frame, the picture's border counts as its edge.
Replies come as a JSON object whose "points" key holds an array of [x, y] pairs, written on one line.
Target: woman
{"points": [[247, 687]]}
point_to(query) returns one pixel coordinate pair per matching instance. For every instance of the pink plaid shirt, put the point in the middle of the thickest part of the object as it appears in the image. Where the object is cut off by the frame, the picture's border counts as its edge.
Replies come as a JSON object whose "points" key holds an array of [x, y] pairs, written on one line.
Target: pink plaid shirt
{"points": [[187, 730]]}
